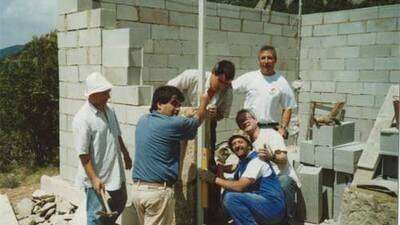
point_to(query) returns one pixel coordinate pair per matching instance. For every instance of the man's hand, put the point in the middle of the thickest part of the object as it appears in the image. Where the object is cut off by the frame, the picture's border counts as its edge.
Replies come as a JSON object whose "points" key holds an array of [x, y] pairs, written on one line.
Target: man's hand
{"points": [[190, 112], [283, 132], [212, 113], [98, 185], [207, 176], [265, 153], [128, 161], [280, 157]]}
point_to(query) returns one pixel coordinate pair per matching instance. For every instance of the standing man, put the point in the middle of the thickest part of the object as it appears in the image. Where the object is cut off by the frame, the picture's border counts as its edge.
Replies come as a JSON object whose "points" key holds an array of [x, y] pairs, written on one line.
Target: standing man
{"points": [[157, 155], [268, 94], [219, 80], [99, 145], [272, 147], [255, 195]]}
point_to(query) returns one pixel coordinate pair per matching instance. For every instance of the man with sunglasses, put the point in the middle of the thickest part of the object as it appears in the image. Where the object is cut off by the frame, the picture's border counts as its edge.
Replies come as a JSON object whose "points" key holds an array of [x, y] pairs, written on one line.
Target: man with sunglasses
{"points": [[157, 141], [219, 80], [268, 94]]}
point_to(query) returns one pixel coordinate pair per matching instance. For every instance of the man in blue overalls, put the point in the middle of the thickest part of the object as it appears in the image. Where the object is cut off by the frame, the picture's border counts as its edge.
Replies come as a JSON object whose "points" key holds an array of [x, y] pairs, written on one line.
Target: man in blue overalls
{"points": [[255, 196]]}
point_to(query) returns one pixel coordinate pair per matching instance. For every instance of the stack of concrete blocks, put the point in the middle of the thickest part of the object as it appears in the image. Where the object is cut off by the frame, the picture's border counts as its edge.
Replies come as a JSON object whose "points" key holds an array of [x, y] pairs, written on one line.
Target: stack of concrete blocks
{"points": [[389, 153], [352, 56], [334, 151]]}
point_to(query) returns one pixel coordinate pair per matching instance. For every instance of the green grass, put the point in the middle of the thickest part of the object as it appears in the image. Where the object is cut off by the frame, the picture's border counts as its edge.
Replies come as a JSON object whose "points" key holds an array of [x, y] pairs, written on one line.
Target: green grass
{"points": [[25, 176]]}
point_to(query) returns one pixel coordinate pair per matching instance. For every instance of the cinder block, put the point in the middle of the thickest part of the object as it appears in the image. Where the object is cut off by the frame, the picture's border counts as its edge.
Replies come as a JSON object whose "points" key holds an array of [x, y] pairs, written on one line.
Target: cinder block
{"points": [[361, 100], [311, 180], [351, 28], [392, 63], [225, 10], [389, 142], [70, 6], [280, 18], [324, 156], [333, 135], [306, 31], [322, 86], [240, 50], [181, 61], [90, 37], [381, 25], [363, 13], [95, 55], [344, 52], [157, 16], [387, 38], [86, 70], [167, 47], [160, 4], [388, 11], [307, 152], [375, 50], [332, 64], [274, 29], [123, 75], [325, 30], [182, 19], [134, 113], [61, 23], [104, 18], [250, 14], [389, 165], [126, 12], [359, 64], [77, 20], [361, 39], [217, 48], [289, 31], [336, 17], [164, 32], [312, 19], [335, 41], [181, 5], [67, 39], [231, 24], [132, 95], [252, 26], [122, 57], [346, 157], [212, 22], [68, 73], [125, 37], [77, 56], [62, 57], [342, 181]]}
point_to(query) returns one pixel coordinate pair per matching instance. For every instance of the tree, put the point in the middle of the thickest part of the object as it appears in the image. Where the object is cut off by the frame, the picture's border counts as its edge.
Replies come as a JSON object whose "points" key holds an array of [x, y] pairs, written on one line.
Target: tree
{"points": [[29, 104]]}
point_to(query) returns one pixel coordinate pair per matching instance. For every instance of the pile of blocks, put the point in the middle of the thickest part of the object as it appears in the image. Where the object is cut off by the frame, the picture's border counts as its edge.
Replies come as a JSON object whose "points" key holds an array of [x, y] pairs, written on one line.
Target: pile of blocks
{"points": [[328, 161]]}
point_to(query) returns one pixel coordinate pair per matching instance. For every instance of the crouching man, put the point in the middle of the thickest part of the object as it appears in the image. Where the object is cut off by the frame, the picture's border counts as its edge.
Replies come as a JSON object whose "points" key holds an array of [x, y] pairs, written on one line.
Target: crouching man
{"points": [[255, 195]]}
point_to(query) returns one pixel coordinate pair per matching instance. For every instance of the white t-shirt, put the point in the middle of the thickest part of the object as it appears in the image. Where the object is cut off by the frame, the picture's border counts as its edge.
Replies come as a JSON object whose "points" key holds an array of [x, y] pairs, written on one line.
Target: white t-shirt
{"points": [[97, 135], [266, 96], [272, 139], [187, 82], [256, 169]]}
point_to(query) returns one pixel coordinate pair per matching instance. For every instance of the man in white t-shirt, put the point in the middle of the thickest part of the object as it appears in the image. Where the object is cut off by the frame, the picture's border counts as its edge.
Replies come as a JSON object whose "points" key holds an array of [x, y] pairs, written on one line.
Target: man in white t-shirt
{"points": [[268, 94], [255, 195], [99, 145], [272, 147]]}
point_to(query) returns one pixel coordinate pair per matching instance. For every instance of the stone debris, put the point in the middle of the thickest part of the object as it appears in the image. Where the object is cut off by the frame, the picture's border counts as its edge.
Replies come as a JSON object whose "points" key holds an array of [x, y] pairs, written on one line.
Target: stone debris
{"points": [[45, 208]]}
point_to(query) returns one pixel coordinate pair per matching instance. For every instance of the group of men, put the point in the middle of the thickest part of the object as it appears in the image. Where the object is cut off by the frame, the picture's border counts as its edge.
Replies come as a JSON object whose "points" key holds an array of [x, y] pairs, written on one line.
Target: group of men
{"points": [[264, 185]]}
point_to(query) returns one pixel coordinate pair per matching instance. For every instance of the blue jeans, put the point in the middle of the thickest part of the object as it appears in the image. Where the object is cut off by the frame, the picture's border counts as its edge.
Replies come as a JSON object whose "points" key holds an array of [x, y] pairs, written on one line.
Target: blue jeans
{"points": [[250, 208], [289, 188], [94, 203]]}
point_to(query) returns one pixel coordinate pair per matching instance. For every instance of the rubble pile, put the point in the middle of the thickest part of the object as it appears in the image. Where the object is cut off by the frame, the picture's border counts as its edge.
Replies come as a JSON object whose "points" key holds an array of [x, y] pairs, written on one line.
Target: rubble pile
{"points": [[45, 208]]}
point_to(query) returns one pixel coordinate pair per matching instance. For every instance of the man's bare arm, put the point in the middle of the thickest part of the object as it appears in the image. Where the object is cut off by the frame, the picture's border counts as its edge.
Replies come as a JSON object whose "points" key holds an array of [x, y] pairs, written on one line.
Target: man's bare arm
{"points": [[98, 185], [235, 185], [286, 114], [204, 100], [125, 153]]}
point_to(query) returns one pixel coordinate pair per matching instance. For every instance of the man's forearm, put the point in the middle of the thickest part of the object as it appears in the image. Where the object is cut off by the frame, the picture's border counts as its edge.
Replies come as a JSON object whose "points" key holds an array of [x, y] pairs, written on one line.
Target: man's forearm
{"points": [[204, 100], [287, 113], [234, 185], [88, 166], [122, 146]]}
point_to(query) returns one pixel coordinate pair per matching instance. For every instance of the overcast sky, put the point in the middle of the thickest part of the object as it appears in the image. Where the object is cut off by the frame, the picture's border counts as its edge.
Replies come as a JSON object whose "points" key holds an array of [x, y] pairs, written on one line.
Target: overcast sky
{"points": [[22, 19]]}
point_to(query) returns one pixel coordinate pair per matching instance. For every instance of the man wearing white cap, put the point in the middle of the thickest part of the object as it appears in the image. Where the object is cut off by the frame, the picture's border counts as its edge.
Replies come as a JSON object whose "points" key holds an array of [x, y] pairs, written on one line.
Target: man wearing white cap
{"points": [[99, 143]]}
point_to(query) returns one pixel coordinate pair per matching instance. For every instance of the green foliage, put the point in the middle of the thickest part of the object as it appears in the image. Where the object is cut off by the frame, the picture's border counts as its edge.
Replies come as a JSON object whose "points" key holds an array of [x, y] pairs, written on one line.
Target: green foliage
{"points": [[29, 105]]}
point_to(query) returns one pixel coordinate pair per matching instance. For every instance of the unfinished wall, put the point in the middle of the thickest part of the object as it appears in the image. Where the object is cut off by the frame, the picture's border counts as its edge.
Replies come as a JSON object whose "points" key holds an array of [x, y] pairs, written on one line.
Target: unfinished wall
{"points": [[351, 56]]}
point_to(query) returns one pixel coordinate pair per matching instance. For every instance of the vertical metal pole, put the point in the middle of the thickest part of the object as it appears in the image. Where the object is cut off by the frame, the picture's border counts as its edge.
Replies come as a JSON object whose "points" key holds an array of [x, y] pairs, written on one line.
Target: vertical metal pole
{"points": [[200, 91], [299, 19]]}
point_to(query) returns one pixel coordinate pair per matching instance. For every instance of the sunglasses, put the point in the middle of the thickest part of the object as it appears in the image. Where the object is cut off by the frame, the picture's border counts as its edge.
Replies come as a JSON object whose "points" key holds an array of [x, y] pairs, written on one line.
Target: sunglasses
{"points": [[176, 103]]}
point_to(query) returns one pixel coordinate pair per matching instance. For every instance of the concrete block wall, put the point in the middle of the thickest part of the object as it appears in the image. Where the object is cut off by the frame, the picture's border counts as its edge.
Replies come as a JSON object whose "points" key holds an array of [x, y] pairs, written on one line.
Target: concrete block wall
{"points": [[351, 56]]}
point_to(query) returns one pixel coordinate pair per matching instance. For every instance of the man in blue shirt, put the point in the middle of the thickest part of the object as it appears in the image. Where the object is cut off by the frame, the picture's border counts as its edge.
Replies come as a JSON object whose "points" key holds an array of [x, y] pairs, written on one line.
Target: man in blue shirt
{"points": [[156, 165], [255, 196]]}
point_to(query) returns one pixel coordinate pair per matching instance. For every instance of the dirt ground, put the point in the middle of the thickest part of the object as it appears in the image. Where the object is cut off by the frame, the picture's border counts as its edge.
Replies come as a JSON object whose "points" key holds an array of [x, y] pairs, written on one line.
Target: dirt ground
{"points": [[18, 193]]}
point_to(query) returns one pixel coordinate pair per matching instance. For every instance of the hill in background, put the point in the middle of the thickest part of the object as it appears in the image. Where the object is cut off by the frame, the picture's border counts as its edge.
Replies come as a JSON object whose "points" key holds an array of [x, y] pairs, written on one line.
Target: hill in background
{"points": [[12, 50]]}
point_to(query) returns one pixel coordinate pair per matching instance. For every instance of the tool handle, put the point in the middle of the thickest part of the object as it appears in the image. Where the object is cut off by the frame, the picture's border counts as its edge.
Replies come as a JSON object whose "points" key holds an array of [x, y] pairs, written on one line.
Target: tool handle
{"points": [[108, 210]]}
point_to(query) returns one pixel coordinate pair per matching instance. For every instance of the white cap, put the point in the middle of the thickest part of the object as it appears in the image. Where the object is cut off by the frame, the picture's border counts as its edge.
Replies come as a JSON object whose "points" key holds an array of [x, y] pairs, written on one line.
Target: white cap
{"points": [[96, 83]]}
